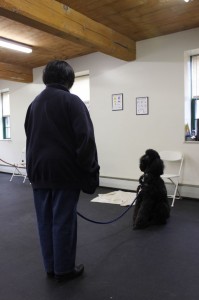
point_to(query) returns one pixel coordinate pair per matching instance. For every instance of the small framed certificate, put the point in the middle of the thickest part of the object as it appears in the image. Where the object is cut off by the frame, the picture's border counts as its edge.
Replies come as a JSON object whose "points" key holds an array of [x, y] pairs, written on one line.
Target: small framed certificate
{"points": [[117, 102], [142, 106]]}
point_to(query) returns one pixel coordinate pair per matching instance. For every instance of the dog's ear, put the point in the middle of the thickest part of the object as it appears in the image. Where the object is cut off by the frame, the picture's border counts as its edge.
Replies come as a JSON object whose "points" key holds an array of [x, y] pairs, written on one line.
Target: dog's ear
{"points": [[156, 167]]}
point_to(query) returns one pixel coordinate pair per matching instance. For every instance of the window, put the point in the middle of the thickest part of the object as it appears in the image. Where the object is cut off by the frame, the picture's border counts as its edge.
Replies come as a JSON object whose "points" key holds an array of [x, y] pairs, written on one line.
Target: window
{"points": [[195, 76], [81, 87], [194, 72], [192, 95], [4, 115]]}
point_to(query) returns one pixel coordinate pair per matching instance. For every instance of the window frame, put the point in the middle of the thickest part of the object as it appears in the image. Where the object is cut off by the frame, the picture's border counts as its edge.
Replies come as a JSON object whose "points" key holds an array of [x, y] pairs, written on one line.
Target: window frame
{"points": [[189, 100], [5, 126], [78, 76], [194, 98]]}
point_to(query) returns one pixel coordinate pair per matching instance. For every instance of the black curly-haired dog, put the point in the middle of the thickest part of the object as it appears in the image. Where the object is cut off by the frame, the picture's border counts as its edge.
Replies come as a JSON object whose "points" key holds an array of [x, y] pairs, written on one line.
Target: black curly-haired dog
{"points": [[152, 206]]}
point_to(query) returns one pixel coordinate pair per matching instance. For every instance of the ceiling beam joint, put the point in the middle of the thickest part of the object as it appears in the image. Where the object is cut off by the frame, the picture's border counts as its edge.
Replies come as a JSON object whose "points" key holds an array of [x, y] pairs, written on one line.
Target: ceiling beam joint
{"points": [[56, 18]]}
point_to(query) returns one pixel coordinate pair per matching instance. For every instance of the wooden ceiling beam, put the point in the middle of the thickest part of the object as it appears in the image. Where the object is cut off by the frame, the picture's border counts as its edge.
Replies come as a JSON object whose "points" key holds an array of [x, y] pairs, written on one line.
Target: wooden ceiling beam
{"points": [[55, 18], [15, 73]]}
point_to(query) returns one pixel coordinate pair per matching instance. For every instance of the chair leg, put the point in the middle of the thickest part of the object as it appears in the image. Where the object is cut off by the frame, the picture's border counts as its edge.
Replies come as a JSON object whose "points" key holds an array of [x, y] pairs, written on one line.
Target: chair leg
{"points": [[16, 173], [175, 192], [13, 174], [173, 201], [25, 177]]}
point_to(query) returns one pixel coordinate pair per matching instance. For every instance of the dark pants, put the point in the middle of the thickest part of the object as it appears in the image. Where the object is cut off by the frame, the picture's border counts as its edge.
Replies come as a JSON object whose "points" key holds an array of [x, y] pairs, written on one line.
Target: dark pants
{"points": [[57, 224]]}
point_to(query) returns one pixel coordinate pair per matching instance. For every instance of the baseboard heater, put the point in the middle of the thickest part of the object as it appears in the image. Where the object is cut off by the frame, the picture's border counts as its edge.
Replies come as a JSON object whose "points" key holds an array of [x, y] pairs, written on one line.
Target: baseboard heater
{"points": [[186, 190]]}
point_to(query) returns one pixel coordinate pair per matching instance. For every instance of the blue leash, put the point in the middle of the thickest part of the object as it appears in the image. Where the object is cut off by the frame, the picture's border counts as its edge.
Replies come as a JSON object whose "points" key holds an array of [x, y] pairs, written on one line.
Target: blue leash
{"points": [[107, 222]]}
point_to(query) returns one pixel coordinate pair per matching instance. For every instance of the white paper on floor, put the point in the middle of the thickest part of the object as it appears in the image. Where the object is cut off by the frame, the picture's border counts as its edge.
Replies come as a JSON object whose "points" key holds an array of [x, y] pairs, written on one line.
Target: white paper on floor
{"points": [[116, 197]]}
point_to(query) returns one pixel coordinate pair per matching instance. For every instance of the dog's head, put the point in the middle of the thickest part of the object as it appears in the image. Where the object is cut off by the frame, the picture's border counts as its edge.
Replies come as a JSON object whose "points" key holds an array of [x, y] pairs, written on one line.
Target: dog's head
{"points": [[151, 163]]}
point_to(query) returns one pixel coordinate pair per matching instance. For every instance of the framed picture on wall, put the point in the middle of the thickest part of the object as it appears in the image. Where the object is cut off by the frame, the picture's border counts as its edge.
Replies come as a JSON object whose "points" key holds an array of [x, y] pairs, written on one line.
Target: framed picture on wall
{"points": [[117, 102], [142, 106]]}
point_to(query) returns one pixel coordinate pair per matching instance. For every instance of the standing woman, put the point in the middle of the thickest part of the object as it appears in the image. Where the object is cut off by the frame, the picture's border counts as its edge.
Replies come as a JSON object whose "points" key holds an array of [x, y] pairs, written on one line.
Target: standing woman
{"points": [[61, 161]]}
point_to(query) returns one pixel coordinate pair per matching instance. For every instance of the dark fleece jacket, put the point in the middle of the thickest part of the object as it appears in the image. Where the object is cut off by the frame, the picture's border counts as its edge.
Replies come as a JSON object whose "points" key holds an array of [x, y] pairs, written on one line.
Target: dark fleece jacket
{"points": [[60, 148]]}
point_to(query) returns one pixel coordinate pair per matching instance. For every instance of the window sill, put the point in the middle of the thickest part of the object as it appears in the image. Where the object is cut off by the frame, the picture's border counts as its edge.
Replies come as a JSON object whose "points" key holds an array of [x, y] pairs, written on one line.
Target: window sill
{"points": [[5, 140], [191, 142]]}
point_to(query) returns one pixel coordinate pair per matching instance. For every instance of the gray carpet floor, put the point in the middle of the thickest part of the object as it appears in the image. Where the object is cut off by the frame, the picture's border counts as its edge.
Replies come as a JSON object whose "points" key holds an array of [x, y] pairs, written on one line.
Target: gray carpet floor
{"points": [[158, 263]]}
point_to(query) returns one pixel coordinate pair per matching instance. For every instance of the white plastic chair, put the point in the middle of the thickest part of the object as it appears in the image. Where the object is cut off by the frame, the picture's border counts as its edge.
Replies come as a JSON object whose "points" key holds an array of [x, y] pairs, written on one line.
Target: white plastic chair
{"points": [[173, 161], [20, 167]]}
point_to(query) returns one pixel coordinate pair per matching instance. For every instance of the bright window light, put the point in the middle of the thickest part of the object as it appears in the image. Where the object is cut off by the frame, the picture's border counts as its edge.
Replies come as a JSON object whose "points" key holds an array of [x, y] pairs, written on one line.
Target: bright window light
{"points": [[14, 46]]}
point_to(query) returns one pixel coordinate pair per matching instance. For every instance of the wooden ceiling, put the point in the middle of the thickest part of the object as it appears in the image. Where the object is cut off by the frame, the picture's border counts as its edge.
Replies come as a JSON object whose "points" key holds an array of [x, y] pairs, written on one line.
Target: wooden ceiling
{"points": [[65, 29]]}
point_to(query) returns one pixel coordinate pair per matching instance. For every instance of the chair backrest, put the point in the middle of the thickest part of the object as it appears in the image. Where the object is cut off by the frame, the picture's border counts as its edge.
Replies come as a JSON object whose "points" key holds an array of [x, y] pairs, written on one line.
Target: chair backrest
{"points": [[172, 157]]}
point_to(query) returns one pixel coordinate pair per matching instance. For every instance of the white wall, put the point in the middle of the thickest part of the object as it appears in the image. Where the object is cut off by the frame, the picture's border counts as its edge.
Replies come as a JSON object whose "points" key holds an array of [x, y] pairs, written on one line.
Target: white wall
{"points": [[122, 136], [20, 96]]}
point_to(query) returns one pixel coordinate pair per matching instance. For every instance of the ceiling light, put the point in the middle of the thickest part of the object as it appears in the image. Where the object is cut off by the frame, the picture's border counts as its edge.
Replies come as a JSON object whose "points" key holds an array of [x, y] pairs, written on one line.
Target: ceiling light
{"points": [[14, 46], [186, 0]]}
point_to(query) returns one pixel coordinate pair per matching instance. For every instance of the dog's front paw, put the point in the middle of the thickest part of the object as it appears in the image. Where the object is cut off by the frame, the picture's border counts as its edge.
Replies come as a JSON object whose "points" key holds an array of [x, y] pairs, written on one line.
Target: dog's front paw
{"points": [[140, 225]]}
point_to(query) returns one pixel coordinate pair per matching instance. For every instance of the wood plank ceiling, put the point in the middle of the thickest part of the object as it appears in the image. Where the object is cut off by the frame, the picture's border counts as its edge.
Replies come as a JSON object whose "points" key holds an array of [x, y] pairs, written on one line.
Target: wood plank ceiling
{"points": [[66, 29]]}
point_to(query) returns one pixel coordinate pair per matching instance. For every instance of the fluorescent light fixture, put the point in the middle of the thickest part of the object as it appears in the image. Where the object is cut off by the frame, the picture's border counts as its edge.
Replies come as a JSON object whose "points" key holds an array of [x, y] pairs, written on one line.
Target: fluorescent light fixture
{"points": [[14, 46]]}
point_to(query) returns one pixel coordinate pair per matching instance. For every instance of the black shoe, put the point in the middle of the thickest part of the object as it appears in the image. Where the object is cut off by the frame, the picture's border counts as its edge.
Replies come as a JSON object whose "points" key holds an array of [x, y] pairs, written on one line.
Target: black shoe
{"points": [[77, 271]]}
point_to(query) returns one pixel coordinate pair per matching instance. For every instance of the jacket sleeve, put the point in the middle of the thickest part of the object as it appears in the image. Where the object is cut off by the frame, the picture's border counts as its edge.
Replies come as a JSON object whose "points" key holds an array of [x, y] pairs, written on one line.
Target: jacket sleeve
{"points": [[26, 120], [86, 150]]}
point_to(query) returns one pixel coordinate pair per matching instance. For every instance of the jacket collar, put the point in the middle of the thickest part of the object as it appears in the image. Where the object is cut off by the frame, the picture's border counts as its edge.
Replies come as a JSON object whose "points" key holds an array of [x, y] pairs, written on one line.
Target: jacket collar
{"points": [[58, 86]]}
